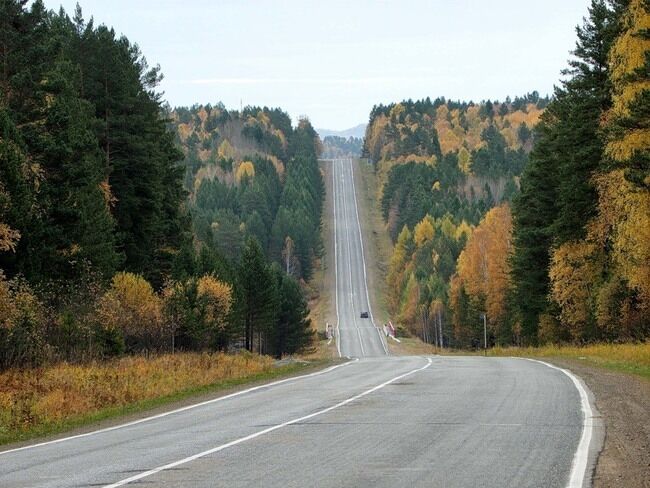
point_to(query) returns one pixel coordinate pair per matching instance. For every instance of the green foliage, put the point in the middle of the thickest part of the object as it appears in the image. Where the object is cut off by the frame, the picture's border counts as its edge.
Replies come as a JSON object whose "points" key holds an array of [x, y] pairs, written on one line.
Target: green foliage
{"points": [[336, 147], [92, 167], [558, 197], [293, 332], [259, 297]]}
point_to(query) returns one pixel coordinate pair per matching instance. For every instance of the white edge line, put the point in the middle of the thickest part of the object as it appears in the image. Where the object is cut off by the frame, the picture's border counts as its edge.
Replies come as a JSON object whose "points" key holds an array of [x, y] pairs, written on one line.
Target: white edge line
{"points": [[365, 279], [178, 410], [580, 461], [336, 265], [194, 457]]}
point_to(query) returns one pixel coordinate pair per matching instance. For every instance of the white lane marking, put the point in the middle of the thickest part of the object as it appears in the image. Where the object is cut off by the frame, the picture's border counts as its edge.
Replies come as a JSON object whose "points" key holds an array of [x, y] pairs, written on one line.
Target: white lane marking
{"points": [[580, 461], [336, 264], [194, 457], [363, 257], [347, 240], [178, 410]]}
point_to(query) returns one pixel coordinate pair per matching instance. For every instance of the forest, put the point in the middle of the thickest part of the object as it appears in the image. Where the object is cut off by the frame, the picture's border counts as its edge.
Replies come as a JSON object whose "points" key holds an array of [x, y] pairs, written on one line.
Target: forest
{"points": [[128, 227], [531, 214], [337, 147]]}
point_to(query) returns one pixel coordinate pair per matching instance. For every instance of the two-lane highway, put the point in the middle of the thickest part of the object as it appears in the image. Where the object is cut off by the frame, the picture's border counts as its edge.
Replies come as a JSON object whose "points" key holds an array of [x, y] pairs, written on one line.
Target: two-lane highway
{"points": [[356, 336], [375, 421]]}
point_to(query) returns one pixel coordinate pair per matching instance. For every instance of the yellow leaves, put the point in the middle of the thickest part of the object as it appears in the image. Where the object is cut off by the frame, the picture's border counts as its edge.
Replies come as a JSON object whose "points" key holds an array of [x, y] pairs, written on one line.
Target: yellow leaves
{"points": [[631, 142], [225, 150], [396, 111], [18, 304], [217, 297], [626, 61], [408, 312], [398, 266], [130, 305], [279, 165], [203, 115], [450, 140], [263, 119], [628, 53], [184, 131], [109, 199], [464, 230], [424, 231], [8, 238], [7, 306], [436, 186], [624, 222], [464, 160], [574, 270], [245, 170], [483, 267]]}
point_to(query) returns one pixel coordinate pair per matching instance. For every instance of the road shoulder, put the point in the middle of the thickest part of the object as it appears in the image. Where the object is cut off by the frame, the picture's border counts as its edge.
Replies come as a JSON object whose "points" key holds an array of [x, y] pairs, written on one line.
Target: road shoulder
{"points": [[623, 401]]}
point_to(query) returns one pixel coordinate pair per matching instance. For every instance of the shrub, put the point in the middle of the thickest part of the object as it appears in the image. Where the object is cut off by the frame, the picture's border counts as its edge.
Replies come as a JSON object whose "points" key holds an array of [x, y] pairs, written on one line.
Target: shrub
{"points": [[22, 324], [198, 311], [132, 307]]}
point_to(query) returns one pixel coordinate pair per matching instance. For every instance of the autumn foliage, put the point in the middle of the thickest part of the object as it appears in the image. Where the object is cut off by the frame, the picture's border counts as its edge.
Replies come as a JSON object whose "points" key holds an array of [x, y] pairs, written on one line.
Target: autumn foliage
{"points": [[483, 271]]}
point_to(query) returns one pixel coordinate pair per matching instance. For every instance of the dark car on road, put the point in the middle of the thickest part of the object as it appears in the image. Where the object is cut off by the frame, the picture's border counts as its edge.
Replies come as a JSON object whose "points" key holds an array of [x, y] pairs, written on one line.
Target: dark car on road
{"points": [[364, 315]]}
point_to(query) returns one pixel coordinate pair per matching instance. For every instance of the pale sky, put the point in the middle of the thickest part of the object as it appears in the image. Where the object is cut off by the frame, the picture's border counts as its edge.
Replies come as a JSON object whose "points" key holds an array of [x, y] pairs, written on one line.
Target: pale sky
{"points": [[332, 60]]}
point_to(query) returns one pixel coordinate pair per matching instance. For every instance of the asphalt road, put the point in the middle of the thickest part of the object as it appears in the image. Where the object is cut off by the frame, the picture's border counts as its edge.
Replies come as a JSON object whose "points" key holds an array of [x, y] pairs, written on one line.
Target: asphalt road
{"points": [[357, 337], [380, 421]]}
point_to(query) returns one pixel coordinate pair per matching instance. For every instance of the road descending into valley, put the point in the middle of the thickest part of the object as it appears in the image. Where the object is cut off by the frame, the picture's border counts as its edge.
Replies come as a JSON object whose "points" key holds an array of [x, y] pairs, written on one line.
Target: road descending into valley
{"points": [[374, 421]]}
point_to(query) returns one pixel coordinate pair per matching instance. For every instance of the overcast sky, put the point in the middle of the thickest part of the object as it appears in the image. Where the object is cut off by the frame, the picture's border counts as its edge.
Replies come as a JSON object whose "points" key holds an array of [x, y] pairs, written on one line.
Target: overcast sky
{"points": [[334, 59]]}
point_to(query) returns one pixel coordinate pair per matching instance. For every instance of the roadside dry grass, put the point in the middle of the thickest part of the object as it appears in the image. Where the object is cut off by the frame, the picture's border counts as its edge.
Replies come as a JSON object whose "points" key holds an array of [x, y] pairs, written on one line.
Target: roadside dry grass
{"points": [[321, 302], [411, 346], [627, 358], [36, 402]]}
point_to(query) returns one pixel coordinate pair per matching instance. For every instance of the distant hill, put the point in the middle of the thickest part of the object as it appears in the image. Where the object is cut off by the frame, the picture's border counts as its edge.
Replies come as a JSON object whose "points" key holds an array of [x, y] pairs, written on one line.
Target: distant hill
{"points": [[356, 131]]}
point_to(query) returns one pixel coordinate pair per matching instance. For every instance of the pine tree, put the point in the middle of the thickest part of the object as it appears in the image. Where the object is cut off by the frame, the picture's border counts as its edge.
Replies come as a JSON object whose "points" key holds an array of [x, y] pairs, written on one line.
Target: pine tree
{"points": [[583, 97], [292, 332], [533, 213], [259, 296], [557, 194]]}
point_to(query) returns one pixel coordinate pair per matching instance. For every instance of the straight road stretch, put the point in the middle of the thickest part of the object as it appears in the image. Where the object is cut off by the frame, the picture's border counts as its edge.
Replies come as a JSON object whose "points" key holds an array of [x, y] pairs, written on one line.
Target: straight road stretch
{"points": [[373, 421]]}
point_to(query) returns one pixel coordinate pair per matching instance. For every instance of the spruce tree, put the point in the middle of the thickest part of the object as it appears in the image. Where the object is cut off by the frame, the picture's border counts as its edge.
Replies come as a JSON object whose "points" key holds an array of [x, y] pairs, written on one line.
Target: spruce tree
{"points": [[557, 195], [292, 332], [533, 213], [584, 97], [259, 296]]}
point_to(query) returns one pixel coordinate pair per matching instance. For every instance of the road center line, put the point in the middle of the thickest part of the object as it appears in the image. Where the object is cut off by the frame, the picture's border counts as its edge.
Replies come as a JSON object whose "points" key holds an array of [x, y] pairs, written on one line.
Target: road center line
{"points": [[346, 207], [363, 258], [194, 457]]}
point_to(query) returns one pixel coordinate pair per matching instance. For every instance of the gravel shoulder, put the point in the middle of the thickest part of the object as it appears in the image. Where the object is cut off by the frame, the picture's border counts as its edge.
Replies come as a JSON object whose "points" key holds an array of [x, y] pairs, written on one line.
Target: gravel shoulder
{"points": [[623, 400]]}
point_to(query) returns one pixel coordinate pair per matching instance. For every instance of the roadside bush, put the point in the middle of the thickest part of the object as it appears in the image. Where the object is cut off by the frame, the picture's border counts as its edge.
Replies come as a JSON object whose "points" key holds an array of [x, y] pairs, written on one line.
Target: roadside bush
{"points": [[131, 307], [197, 313], [215, 302], [22, 324]]}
